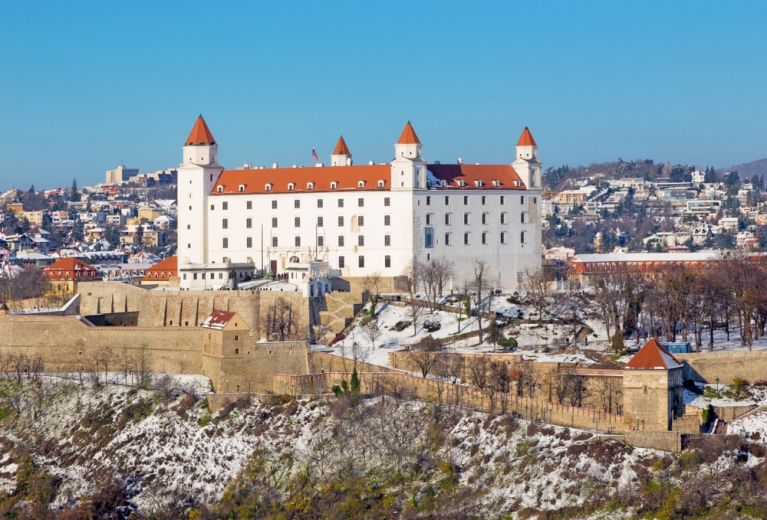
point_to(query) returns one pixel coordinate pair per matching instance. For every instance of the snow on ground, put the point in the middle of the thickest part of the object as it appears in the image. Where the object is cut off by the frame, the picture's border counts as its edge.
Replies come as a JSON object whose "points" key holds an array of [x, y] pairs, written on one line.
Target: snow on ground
{"points": [[750, 424]]}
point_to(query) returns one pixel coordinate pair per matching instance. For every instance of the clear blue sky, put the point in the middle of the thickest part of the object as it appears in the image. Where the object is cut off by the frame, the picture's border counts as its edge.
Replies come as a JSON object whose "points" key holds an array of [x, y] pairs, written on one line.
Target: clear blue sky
{"points": [[86, 85]]}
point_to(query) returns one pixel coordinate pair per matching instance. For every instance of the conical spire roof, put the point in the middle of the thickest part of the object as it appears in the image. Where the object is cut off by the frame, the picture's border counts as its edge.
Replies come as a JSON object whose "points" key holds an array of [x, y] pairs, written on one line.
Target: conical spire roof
{"points": [[652, 356], [200, 134], [408, 135], [526, 139], [341, 148]]}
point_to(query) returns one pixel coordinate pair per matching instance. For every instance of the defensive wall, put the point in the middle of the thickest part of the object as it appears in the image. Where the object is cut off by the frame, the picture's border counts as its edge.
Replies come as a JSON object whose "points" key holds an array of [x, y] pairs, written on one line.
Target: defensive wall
{"points": [[706, 367], [399, 384], [172, 307]]}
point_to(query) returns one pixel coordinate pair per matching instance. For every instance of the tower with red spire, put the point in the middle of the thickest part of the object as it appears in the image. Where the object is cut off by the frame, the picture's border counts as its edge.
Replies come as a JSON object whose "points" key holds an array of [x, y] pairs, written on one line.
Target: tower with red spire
{"points": [[408, 169], [197, 175], [341, 155], [526, 164]]}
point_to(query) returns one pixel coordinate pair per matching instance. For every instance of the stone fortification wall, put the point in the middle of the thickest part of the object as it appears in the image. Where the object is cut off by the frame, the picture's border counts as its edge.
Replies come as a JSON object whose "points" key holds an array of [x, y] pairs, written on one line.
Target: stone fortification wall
{"points": [[66, 344], [657, 440], [255, 368], [267, 304], [705, 367], [396, 383], [320, 362]]}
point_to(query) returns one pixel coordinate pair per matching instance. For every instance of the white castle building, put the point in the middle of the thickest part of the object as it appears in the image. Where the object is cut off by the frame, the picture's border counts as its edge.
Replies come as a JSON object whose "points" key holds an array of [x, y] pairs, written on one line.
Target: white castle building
{"points": [[360, 219]]}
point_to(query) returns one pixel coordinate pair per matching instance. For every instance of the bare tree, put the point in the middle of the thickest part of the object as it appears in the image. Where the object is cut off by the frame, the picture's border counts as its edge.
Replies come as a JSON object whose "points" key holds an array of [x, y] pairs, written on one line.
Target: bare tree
{"points": [[372, 285], [537, 290], [425, 354], [372, 331], [480, 284], [478, 367], [280, 319], [608, 391], [413, 275], [143, 368]]}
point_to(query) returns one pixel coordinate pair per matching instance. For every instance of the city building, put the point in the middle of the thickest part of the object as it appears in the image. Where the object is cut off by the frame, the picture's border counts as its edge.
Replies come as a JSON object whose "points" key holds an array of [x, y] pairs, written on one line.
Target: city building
{"points": [[359, 219], [63, 273], [120, 174]]}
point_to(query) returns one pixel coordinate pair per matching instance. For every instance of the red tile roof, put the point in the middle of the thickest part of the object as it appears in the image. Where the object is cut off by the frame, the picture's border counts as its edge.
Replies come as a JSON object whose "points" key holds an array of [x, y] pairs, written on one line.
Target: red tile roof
{"points": [[652, 356], [217, 320], [471, 173], [526, 139], [163, 270], [347, 177], [341, 148], [200, 134], [71, 269], [408, 135]]}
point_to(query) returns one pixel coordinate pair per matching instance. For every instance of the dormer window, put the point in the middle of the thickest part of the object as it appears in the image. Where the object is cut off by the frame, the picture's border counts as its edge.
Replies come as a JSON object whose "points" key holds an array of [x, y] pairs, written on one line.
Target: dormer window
{"points": [[360, 184], [242, 188], [291, 186], [381, 184], [517, 183], [461, 183], [220, 189], [309, 185], [443, 183], [478, 183], [496, 183], [333, 185], [268, 187]]}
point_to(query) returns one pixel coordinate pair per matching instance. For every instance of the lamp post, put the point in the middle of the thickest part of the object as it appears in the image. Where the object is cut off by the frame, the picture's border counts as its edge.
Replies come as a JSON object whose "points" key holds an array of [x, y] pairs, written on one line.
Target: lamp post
{"points": [[717, 384], [595, 420]]}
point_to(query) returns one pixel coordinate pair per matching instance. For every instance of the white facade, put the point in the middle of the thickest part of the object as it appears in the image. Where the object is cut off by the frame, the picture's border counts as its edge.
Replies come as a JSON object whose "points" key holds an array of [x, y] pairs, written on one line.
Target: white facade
{"points": [[358, 219]]}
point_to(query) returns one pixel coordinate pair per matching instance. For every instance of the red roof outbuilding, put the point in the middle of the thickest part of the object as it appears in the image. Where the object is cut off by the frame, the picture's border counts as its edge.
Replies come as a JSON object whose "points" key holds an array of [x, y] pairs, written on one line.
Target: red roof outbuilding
{"points": [[71, 269], [652, 356]]}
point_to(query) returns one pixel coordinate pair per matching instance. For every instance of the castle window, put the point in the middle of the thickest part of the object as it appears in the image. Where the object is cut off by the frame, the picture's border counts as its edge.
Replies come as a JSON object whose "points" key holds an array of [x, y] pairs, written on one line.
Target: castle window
{"points": [[333, 185], [226, 243], [448, 239], [361, 240], [291, 186], [448, 219], [319, 203], [236, 337], [484, 238], [387, 220], [341, 221], [237, 351], [523, 218], [248, 223], [428, 200], [484, 218], [340, 203], [249, 204], [360, 203], [387, 201], [387, 240], [523, 237], [320, 241], [387, 261], [320, 222], [484, 200], [466, 239], [381, 184], [340, 262], [361, 261], [274, 241], [242, 187], [225, 205], [220, 189], [298, 241], [274, 222], [225, 223], [297, 204], [361, 184], [465, 200], [297, 222], [274, 204], [429, 218], [360, 221], [340, 241], [645, 388], [504, 217], [309, 185], [249, 242], [503, 199], [268, 187], [467, 218]]}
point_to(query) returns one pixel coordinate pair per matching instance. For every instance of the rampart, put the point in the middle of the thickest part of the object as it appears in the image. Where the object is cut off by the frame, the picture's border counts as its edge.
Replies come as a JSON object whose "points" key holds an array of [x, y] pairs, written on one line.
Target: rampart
{"points": [[706, 367], [399, 384]]}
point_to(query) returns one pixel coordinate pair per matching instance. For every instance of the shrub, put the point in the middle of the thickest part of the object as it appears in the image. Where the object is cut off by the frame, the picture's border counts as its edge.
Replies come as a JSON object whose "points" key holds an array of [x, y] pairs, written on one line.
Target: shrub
{"points": [[738, 384], [509, 343]]}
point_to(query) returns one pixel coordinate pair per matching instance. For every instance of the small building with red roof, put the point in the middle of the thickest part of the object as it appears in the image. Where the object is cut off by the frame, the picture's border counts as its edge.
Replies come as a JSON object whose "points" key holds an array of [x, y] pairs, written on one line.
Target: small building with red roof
{"points": [[652, 389], [162, 274], [64, 273]]}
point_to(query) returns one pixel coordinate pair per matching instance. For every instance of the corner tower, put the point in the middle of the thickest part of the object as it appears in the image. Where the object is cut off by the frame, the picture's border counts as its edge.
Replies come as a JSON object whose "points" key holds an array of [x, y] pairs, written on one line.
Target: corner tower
{"points": [[341, 155], [408, 169], [197, 175], [526, 164]]}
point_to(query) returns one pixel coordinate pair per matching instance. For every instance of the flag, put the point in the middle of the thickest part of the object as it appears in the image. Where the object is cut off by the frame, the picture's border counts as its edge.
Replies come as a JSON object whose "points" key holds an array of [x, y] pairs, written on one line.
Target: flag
{"points": [[314, 154]]}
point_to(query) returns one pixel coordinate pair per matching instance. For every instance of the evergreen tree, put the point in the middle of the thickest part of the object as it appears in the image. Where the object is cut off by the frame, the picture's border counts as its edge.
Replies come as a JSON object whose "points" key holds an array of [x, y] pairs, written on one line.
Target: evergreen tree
{"points": [[710, 175], [78, 231], [75, 196], [355, 386]]}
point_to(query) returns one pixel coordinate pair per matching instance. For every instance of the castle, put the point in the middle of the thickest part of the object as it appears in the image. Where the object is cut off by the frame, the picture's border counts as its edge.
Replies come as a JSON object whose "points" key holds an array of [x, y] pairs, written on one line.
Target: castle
{"points": [[358, 219]]}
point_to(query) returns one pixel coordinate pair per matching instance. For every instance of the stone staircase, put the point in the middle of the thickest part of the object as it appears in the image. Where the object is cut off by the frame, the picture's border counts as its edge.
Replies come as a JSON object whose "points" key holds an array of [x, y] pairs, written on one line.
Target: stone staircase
{"points": [[339, 311]]}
